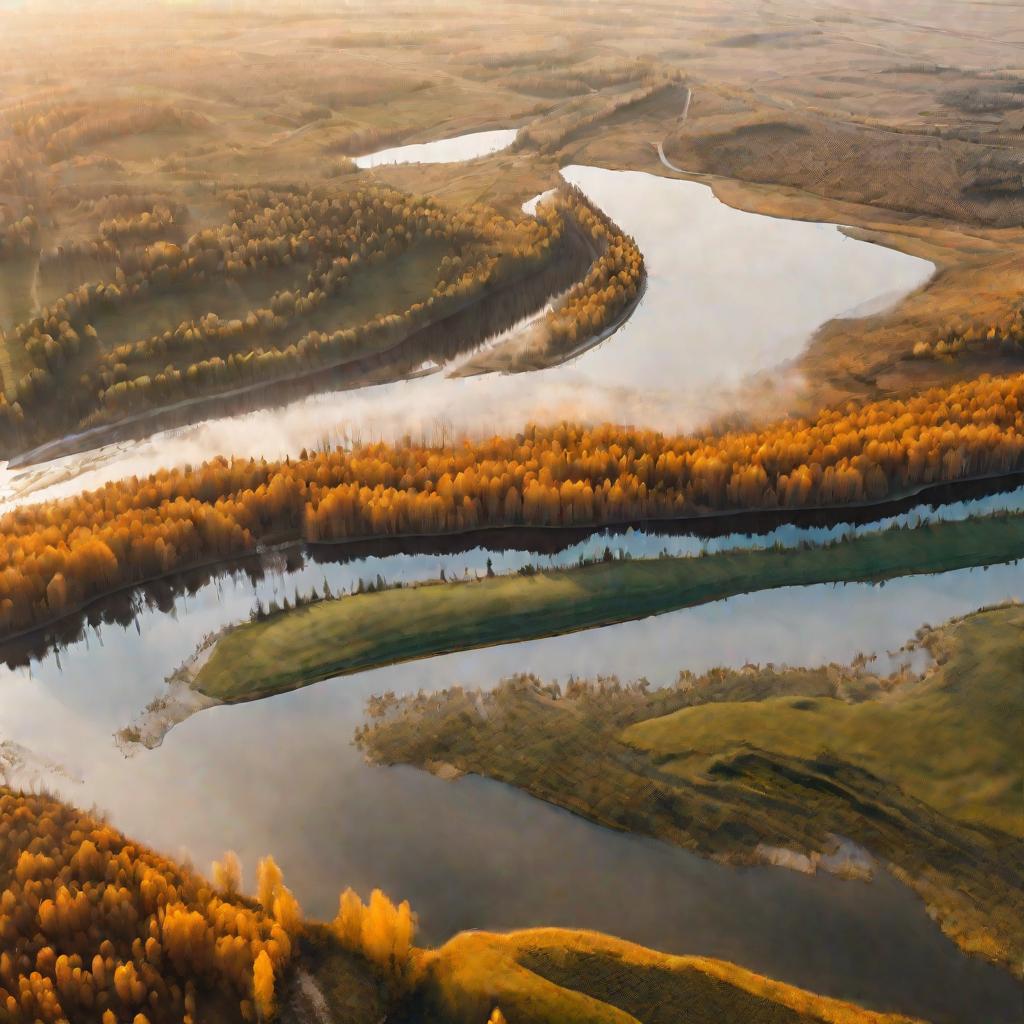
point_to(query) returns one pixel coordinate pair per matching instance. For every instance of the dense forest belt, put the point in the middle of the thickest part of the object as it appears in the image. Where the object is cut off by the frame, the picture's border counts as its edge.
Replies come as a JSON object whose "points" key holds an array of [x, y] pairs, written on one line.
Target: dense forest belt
{"points": [[593, 309], [772, 764], [96, 927], [59, 556], [122, 607], [347, 634], [536, 349]]}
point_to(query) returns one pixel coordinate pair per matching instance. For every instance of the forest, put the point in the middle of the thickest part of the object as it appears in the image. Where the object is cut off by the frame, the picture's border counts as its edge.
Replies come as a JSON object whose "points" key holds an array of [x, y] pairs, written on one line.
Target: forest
{"points": [[57, 556], [612, 283], [325, 249], [95, 927], [322, 245], [1006, 335]]}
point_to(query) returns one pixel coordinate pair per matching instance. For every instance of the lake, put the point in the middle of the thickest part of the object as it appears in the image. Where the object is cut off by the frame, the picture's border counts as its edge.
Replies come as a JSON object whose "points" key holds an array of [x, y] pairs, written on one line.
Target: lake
{"points": [[442, 151]]}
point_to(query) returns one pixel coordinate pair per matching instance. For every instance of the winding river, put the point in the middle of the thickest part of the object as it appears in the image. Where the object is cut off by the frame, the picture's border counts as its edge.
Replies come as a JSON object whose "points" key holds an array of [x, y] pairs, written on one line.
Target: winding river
{"points": [[730, 294], [281, 776]]}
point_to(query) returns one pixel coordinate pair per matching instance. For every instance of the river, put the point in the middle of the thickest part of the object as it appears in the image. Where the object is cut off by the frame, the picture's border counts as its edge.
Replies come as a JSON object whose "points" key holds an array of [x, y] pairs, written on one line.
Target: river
{"points": [[281, 776], [730, 294]]}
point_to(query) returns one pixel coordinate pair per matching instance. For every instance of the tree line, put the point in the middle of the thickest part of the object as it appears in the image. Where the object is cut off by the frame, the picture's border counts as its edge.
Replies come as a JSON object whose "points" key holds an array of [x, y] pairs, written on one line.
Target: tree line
{"points": [[94, 927], [611, 284], [149, 224], [56, 556], [1003, 336], [78, 381]]}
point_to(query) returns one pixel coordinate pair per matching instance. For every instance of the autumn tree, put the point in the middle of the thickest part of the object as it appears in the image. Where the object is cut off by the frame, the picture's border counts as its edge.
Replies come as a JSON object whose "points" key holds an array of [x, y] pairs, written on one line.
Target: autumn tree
{"points": [[380, 931], [268, 882], [227, 874], [94, 927], [59, 555], [263, 987]]}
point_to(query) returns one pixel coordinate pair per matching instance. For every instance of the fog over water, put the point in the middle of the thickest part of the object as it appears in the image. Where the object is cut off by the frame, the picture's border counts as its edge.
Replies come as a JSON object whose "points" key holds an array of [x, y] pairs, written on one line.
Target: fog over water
{"points": [[729, 294]]}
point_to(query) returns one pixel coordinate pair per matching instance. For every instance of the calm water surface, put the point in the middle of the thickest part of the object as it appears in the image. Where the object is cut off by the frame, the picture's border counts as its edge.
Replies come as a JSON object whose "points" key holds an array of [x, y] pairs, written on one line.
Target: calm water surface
{"points": [[281, 776], [442, 151], [729, 294]]}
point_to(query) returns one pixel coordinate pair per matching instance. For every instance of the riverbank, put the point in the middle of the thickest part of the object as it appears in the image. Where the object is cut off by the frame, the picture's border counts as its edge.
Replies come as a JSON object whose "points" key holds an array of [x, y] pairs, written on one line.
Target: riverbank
{"points": [[344, 635], [464, 326], [561, 976], [775, 764], [357, 968]]}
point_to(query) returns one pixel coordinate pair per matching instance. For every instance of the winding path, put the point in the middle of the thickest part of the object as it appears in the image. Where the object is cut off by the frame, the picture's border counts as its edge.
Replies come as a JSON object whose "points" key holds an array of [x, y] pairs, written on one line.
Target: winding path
{"points": [[661, 145], [668, 163]]}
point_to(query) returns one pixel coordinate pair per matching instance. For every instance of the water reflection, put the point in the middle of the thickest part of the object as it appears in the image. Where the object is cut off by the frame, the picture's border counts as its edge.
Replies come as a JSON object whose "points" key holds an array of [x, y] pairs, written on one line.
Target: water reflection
{"points": [[442, 151], [280, 775], [295, 571], [729, 294]]}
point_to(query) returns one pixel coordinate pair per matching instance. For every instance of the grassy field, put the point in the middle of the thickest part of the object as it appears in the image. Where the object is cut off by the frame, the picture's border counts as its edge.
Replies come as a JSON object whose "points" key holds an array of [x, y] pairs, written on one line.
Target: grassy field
{"points": [[954, 742], [922, 772], [352, 633], [549, 976], [556, 976], [374, 290]]}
